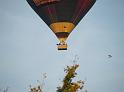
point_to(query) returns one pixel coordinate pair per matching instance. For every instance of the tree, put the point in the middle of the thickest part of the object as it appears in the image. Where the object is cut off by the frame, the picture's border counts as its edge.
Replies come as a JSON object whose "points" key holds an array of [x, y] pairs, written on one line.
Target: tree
{"points": [[39, 87], [68, 84]]}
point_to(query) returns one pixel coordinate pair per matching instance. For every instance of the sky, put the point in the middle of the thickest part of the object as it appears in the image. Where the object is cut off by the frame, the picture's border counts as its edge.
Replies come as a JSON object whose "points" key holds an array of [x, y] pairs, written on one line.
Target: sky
{"points": [[28, 48]]}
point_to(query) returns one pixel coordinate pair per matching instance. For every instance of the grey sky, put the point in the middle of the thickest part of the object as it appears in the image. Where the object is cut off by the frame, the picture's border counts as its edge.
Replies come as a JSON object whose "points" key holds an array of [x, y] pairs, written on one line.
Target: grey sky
{"points": [[28, 48]]}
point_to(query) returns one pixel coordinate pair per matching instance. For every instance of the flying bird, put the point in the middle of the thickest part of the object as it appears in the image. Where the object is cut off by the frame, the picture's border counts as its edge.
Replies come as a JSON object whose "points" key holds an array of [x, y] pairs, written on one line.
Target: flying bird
{"points": [[109, 56]]}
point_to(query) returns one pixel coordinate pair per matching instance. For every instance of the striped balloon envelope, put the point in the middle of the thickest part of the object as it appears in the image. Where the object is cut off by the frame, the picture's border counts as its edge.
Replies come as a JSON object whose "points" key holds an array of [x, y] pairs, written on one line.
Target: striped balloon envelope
{"points": [[61, 15]]}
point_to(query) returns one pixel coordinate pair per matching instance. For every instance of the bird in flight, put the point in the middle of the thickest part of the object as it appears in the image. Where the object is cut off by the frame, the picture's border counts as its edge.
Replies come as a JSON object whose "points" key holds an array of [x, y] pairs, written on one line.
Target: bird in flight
{"points": [[109, 56]]}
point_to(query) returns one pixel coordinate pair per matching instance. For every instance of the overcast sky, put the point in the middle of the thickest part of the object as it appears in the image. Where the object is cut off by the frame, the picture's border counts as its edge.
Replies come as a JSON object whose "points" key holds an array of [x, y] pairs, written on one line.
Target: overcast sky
{"points": [[28, 48]]}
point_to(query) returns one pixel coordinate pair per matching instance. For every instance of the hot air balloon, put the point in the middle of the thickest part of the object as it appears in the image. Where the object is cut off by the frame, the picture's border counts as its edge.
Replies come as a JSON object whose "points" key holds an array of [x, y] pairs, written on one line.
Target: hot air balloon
{"points": [[61, 16]]}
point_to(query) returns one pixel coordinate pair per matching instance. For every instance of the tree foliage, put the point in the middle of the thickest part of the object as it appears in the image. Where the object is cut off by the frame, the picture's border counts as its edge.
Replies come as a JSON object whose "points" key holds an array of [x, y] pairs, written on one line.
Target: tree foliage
{"points": [[36, 89], [68, 84], [39, 87]]}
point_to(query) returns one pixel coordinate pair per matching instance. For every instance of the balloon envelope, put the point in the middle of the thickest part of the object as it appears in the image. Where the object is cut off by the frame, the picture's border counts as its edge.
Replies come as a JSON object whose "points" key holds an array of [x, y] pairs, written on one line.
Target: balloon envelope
{"points": [[61, 15]]}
